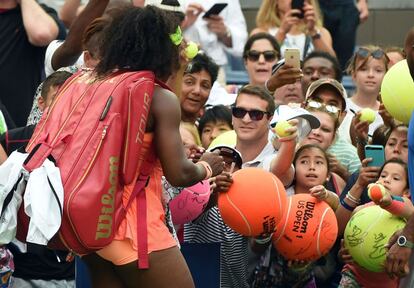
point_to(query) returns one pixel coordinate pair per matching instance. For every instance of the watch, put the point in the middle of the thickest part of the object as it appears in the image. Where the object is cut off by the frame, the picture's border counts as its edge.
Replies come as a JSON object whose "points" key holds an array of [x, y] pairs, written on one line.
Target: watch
{"points": [[316, 35], [403, 242]]}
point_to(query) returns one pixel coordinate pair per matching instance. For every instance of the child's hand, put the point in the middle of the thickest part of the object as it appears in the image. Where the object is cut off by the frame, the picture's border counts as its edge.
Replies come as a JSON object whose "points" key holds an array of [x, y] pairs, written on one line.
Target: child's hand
{"points": [[223, 182], [298, 264], [343, 254], [319, 192], [291, 131]]}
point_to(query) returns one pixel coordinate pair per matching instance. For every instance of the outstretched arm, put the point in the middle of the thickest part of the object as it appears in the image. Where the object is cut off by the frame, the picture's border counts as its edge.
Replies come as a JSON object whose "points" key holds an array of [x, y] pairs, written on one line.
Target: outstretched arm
{"points": [[71, 49]]}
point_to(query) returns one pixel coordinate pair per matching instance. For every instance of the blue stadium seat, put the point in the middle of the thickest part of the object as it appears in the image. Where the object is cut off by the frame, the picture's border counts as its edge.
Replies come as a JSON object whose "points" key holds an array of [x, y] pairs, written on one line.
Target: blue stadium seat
{"points": [[349, 85], [235, 71]]}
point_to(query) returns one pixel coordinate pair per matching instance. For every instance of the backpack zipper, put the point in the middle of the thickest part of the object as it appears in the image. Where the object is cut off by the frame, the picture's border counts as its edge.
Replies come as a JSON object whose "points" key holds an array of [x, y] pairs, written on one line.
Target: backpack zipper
{"points": [[98, 148]]}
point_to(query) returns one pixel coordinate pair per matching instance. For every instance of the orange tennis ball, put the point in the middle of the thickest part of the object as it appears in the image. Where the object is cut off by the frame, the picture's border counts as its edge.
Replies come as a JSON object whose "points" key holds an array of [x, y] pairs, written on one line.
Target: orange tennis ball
{"points": [[308, 229], [254, 203], [376, 192]]}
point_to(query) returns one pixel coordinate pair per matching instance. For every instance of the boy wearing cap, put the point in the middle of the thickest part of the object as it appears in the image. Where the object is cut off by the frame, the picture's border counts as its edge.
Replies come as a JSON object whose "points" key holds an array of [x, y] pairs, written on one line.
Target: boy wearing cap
{"points": [[330, 93], [210, 228]]}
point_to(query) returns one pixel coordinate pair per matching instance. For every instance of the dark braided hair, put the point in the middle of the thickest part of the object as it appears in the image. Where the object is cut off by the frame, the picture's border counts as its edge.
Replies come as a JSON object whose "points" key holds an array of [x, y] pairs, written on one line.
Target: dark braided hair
{"points": [[138, 39]]}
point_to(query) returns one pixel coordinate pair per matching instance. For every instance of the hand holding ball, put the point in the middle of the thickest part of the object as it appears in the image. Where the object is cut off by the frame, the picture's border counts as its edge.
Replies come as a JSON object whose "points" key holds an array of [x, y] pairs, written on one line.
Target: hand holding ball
{"points": [[191, 50], [281, 128], [367, 115]]}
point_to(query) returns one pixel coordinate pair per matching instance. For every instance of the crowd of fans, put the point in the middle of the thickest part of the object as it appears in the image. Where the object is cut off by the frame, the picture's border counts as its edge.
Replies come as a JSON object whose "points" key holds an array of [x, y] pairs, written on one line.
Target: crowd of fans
{"points": [[41, 48]]}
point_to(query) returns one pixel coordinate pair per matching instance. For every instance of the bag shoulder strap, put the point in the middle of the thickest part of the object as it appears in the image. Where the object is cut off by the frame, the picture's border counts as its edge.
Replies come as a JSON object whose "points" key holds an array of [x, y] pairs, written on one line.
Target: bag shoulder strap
{"points": [[306, 47]]}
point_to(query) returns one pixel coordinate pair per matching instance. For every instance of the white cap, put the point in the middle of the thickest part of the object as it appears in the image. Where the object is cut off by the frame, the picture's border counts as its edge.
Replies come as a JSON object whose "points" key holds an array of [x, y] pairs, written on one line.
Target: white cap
{"points": [[167, 5], [307, 121]]}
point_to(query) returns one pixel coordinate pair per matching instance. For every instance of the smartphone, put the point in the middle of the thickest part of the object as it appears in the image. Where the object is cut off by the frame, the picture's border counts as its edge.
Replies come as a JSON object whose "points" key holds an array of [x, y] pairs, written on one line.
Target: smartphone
{"points": [[376, 152], [292, 57], [215, 9], [298, 4]]}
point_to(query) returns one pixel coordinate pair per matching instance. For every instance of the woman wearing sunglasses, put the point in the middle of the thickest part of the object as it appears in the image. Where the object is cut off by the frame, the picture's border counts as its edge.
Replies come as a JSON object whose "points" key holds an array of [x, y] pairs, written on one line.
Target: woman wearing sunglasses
{"points": [[294, 28], [367, 67], [261, 52]]}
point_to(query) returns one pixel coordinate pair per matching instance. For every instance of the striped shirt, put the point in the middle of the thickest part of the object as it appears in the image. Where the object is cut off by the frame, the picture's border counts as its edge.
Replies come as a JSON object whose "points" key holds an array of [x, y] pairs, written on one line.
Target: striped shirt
{"points": [[346, 154], [209, 227]]}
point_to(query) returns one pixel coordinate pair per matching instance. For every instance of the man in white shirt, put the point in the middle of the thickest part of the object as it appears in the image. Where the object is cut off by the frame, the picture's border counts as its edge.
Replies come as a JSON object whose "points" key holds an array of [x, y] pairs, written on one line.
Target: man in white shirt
{"points": [[217, 34], [252, 114]]}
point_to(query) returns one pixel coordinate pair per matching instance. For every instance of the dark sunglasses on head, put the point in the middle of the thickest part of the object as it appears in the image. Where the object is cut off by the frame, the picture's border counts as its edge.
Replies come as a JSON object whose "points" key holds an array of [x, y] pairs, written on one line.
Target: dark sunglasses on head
{"points": [[255, 115], [377, 54], [269, 55]]}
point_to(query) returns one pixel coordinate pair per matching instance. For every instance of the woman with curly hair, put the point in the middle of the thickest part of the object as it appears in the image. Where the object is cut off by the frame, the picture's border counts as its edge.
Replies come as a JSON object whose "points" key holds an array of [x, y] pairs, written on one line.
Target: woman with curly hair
{"points": [[141, 39]]}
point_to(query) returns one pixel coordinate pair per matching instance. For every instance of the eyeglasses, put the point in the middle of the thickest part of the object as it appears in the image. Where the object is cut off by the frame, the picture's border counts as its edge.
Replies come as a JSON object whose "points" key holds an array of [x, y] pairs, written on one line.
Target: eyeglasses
{"points": [[255, 115], [377, 54], [322, 106], [269, 55]]}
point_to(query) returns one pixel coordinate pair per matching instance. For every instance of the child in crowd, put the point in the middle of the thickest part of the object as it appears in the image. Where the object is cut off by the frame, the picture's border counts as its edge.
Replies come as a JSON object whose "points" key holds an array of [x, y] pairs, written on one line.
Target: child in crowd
{"points": [[367, 68], [324, 137], [394, 177], [312, 170], [215, 121], [210, 227]]}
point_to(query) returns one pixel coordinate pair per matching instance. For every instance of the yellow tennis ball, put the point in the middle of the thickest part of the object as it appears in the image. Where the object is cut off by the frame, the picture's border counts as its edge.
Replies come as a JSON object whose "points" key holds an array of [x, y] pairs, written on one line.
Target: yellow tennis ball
{"points": [[191, 50], [367, 115], [397, 90], [281, 128], [366, 234]]}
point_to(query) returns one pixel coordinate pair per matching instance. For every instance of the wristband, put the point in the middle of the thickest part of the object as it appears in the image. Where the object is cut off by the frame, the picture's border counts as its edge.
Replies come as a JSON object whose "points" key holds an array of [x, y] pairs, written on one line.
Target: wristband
{"points": [[207, 167], [397, 198], [263, 241], [346, 206], [396, 207]]}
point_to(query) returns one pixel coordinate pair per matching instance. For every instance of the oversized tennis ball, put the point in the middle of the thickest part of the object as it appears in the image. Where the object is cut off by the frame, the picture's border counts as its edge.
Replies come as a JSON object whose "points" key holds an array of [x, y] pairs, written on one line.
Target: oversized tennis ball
{"points": [[397, 90], [228, 138], [281, 128], [308, 229], [367, 233], [190, 203], [255, 202], [367, 115], [376, 192], [191, 50]]}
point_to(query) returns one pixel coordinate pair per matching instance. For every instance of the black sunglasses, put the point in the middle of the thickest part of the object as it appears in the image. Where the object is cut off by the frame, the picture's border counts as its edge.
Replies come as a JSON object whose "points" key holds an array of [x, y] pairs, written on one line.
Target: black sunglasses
{"points": [[269, 55], [255, 115], [377, 54]]}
